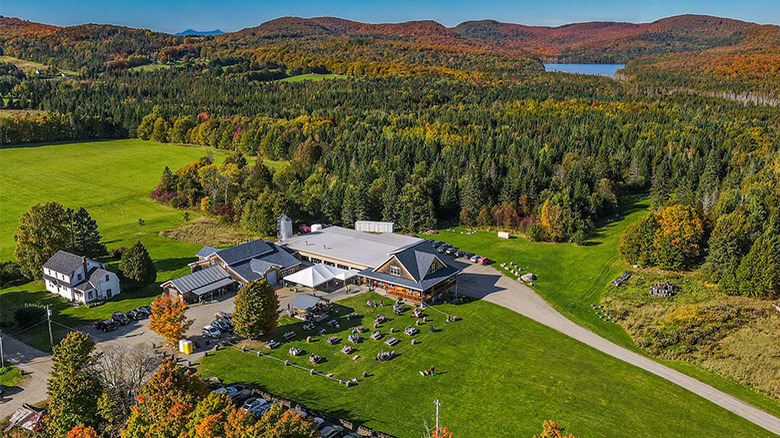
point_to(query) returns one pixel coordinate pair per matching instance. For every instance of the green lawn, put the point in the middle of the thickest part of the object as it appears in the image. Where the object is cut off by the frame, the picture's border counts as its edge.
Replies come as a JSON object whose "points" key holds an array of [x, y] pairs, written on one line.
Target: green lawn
{"points": [[112, 180], [571, 277], [10, 376], [312, 77], [496, 371], [29, 66]]}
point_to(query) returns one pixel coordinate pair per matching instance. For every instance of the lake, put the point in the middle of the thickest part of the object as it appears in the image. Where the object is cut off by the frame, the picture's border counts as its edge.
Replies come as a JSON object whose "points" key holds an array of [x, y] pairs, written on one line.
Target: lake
{"points": [[587, 69]]}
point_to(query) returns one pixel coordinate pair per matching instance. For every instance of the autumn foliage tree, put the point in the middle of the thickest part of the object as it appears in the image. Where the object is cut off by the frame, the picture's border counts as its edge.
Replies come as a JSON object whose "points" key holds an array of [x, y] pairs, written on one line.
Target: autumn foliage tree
{"points": [[551, 429], [168, 318], [82, 431], [165, 403]]}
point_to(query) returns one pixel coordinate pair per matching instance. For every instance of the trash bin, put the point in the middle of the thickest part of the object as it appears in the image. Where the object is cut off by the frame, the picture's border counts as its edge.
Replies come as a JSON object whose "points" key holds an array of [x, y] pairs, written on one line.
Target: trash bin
{"points": [[185, 346]]}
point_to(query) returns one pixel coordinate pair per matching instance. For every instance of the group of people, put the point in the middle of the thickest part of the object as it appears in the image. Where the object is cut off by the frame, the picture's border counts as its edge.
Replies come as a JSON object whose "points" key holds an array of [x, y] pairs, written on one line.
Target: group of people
{"points": [[347, 349], [385, 355], [373, 304], [333, 340], [354, 338], [429, 372], [315, 359], [411, 331], [295, 351]]}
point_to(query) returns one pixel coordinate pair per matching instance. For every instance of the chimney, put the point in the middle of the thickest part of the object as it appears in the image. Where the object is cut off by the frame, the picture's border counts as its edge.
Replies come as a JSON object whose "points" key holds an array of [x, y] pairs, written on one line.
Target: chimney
{"points": [[84, 263]]}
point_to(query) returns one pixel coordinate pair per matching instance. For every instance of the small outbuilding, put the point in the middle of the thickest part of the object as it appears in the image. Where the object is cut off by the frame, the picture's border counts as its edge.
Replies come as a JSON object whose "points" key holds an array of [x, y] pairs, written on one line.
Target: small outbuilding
{"points": [[503, 234], [305, 305]]}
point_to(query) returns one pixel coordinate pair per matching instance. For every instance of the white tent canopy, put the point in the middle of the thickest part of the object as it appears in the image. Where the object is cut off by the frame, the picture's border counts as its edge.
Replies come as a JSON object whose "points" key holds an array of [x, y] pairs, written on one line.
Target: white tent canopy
{"points": [[316, 275]]}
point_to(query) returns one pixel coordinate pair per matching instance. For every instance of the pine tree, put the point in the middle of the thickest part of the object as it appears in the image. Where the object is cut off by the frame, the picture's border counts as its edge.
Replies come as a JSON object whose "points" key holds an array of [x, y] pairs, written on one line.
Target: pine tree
{"points": [[137, 266], [85, 236], [257, 309], [74, 387], [758, 274], [661, 187]]}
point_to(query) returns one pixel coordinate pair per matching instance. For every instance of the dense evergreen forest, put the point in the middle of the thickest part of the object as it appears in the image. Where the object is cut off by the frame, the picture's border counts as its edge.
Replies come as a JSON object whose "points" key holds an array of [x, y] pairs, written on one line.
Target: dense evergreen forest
{"points": [[426, 132]]}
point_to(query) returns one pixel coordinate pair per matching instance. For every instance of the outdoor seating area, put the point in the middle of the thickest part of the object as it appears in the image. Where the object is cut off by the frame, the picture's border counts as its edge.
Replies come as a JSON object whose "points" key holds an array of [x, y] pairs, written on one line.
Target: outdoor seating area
{"points": [[383, 356], [345, 322]]}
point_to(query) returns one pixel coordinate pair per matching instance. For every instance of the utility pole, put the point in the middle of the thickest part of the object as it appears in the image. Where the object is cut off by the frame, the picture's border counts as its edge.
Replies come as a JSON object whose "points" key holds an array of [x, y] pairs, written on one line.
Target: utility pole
{"points": [[2, 358], [48, 317], [437, 404]]}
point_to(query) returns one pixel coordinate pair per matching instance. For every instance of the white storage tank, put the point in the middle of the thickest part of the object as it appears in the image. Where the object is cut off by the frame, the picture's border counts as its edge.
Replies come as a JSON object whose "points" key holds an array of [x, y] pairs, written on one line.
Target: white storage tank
{"points": [[285, 227]]}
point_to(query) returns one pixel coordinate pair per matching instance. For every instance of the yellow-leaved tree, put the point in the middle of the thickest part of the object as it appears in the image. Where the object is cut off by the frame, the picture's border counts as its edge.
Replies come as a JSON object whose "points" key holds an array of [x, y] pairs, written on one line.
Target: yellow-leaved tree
{"points": [[168, 318]]}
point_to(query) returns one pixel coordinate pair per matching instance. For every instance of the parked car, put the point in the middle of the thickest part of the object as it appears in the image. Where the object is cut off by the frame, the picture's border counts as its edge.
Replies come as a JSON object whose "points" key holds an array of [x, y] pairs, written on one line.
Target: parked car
{"points": [[223, 326], [120, 318], [459, 254], [451, 250], [239, 397], [437, 243], [211, 332], [146, 309], [331, 432], [106, 325], [227, 317], [253, 403], [474, 258], [468, 255], [228, 390], [319, 422], [441, 249], [484, 261], [136, 314]]}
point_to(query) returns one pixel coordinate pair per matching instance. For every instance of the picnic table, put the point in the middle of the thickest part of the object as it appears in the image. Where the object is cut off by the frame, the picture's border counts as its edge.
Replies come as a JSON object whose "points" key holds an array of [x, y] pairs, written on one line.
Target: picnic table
{"points": [[391, 341]]}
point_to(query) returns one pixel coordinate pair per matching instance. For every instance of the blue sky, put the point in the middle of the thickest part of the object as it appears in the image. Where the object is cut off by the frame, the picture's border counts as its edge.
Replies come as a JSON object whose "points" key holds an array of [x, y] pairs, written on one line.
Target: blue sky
{"points": [[230, 15]]}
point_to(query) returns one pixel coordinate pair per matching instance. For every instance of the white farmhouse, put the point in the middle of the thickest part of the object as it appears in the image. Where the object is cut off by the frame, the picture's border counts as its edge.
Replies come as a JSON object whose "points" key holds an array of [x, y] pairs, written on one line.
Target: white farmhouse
{"points": [[78, 278]]}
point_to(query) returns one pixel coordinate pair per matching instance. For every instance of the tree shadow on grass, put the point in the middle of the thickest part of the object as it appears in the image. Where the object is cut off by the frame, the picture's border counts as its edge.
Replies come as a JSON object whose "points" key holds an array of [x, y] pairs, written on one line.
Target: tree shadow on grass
{"points": [[173, 264]]}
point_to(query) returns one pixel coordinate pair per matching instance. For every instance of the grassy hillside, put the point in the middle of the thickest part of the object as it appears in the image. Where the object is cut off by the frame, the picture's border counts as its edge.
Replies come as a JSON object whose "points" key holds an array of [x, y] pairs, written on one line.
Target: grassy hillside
{"points": [[572, 277], [496, 371], [112, 180]]}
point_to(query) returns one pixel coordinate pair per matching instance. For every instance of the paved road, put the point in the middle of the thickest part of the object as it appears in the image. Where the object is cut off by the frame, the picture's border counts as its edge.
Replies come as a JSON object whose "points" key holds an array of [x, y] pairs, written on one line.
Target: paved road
{"points": [[487, 283], [32, 361]]}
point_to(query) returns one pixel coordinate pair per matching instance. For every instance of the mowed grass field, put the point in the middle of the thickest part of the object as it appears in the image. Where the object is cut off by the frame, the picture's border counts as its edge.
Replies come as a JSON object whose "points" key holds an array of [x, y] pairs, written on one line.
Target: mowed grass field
{"points": [[572, 277], [498, 374], [111, 179]]}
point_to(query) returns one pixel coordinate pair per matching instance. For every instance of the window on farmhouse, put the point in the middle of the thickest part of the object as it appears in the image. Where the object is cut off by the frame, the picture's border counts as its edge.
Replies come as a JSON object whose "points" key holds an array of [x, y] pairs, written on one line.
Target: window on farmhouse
{"points": [[433, 268], [106, 277], [395, 270]]}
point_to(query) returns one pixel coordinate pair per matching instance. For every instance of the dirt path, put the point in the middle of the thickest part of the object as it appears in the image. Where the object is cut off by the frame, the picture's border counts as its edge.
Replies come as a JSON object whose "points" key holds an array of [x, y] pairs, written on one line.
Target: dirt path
{"points": [[486, 283], [36, 365]]}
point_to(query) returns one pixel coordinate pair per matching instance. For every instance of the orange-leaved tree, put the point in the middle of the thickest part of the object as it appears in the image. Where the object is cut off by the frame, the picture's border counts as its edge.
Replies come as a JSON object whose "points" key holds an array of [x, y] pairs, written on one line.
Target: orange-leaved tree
{"points": [[552, 430], [82, 431], [442, 432], [168, 318]]}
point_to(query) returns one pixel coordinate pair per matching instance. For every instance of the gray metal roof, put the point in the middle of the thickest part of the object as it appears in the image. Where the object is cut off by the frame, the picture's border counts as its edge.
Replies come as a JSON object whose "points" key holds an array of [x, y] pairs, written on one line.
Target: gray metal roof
{"points": [[213, 286], [427, 283], [199, 279], [63, 262], [245, 251], [252, 269], [354, 247], [305, 302], [206, 251], [416, 260]]}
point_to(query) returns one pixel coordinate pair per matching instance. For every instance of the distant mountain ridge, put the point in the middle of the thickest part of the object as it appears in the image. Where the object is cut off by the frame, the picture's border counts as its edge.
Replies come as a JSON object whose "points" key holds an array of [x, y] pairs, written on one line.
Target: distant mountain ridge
{"points": [[193, 32]]}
